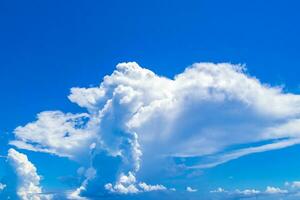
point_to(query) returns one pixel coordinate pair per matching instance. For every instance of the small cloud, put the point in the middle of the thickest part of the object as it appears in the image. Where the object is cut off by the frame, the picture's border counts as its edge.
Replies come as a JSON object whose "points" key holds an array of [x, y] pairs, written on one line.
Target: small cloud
{"points": [[275, 190], [2, 186], [189, 189], [218, 190], [127, 184], [148, 188], [248, 192], [295, 184]]}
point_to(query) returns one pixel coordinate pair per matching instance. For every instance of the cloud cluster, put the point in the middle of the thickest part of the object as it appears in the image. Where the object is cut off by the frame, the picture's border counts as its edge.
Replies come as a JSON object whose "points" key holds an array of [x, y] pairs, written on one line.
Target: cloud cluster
{"points": [[128, 184], [275, 190], [270, 191], [29, 181], [198, 113]]}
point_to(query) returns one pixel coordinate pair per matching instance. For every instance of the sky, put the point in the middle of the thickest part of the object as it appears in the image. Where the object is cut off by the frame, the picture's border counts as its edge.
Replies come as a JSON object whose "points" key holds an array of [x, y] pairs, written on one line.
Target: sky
{"points": [[149, 99]]}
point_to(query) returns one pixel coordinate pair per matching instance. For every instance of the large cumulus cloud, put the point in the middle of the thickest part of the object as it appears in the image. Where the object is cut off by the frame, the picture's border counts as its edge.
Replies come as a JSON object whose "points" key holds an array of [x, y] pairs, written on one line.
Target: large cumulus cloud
{"points": [[139, 116], [29, 181]]}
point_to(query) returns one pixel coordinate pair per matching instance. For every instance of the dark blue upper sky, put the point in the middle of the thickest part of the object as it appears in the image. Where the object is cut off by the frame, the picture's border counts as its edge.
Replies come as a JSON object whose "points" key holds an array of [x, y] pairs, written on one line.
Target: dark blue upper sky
{"points": [[47, 47]]}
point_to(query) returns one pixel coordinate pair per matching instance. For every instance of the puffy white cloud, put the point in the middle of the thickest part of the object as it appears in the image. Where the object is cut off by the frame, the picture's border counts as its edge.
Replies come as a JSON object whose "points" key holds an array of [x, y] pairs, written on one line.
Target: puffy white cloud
{"points": [[57, 133], [269, 191], [29, 181], [275, 190], [75, 195], [182, 110], [148, 110], [294, 184], [148, 188], [189, 189], [2, 186], [86, 97], [200, 112], [128, 184], [237, 192]]}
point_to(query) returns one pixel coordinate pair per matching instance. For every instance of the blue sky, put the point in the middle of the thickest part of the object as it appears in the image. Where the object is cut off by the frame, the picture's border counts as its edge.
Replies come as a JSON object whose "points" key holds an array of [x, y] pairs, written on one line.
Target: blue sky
{"points": [[168, 123]]}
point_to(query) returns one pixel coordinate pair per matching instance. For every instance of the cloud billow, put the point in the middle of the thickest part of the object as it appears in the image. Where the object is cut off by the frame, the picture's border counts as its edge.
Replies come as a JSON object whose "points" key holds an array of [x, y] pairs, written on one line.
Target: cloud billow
{"points": [[140, 117], [28, 180]]}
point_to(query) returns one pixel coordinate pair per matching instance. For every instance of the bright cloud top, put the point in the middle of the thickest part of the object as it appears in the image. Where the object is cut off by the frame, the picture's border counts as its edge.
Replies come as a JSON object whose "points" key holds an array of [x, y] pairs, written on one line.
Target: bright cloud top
{"points": [[199, 113]]}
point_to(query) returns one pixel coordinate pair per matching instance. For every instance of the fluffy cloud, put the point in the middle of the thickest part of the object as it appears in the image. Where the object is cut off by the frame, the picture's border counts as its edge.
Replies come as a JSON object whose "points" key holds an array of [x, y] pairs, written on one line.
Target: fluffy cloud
{"points": [[151, 110], [125, 184], [2, 186], [270, 191], [189, 189], [148, 188], [198, 113], [29, 181], [128, 184], [275, 190], [55, 132], [294, 184]]}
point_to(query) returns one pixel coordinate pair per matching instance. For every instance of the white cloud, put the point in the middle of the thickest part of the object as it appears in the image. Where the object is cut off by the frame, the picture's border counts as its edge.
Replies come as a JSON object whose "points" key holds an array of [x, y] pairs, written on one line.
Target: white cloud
{"points": [[294, 184], [218, 190], [86, 97], [148, 188], [2, 186], [242, 152], [127, 184], [200, 112], [275, 190], [89, 174], [75, 195], [189, 189], [57, 133], [29, 181], [248, 192], [269, 191], [179, 114]]}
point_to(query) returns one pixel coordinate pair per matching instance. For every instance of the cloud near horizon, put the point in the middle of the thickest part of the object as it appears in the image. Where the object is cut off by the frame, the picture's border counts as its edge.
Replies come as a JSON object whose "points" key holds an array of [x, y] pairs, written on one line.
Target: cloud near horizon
{"points": [[200, 112], [270, 192]]}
